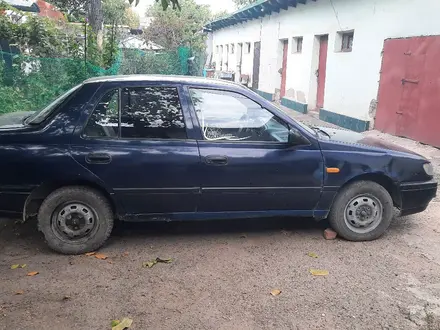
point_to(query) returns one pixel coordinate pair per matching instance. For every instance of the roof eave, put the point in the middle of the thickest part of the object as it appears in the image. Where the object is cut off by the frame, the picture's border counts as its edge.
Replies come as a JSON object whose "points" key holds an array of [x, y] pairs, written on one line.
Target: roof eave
{"points": [[258, 9]]}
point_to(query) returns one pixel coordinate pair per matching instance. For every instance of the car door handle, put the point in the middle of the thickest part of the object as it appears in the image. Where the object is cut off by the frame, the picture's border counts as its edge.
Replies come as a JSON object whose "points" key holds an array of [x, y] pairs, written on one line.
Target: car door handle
{"points": [[216, 160], [98, 158]]}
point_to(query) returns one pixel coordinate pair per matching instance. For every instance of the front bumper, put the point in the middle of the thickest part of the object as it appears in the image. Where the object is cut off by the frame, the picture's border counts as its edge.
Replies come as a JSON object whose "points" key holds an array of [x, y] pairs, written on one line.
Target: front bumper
{"points": [[415, 196]]}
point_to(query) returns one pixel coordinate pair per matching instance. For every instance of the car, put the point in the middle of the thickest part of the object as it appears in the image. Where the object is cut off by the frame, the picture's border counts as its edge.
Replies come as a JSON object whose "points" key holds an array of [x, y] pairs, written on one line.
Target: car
{"points": [[163, 148]]}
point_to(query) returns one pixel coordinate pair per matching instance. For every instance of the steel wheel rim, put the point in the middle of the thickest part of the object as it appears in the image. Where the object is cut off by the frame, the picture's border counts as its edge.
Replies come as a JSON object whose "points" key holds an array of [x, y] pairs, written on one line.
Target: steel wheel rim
{"points": [[363, 213], [74, 221]]}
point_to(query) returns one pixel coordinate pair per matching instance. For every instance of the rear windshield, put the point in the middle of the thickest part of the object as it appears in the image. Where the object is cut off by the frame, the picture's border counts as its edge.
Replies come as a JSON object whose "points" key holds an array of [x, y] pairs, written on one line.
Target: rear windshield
{"points": [[40, 115]]}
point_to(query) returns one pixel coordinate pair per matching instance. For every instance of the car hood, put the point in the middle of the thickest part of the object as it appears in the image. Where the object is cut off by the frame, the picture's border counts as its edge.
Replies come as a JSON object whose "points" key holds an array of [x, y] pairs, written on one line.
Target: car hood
{"points": [[13, 119], [357, 138]]}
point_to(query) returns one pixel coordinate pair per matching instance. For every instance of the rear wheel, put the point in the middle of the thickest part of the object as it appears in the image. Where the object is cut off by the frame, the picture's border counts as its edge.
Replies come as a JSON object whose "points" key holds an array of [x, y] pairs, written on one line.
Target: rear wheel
{"points": [[362, 211], [75, 220]]}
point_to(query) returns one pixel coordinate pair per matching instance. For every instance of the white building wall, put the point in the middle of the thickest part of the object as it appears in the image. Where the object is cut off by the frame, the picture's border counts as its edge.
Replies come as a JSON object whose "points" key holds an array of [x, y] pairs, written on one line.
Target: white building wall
{"points": [[351, 78], [248, 32]]}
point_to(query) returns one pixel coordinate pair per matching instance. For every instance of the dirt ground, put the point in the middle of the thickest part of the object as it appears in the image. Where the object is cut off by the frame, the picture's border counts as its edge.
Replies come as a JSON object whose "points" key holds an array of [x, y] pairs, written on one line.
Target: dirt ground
{"points": [[222, 274]]}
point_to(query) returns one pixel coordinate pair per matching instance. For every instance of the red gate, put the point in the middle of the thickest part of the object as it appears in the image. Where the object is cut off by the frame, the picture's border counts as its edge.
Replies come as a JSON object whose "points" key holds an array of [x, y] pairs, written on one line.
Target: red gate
{"points": [[409, 89]]}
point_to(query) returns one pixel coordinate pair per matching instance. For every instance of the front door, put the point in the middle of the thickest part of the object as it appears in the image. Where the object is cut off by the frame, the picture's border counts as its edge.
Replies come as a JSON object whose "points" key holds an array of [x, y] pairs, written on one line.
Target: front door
{"points": [[136, 143], [322, 67], [284, 69], [247, 164]]}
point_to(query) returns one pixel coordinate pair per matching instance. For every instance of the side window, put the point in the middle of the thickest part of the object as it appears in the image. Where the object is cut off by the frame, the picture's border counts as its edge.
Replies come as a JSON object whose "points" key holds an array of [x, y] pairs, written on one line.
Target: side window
{"points": [[105, 117], [152, 113], [228, 116]]}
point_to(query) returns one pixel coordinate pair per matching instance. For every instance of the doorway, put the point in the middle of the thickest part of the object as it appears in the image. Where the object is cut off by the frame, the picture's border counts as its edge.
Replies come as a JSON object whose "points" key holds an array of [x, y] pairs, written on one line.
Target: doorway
{"points": [[284, 68], [256, 67], [320, 73], [239, 59]]}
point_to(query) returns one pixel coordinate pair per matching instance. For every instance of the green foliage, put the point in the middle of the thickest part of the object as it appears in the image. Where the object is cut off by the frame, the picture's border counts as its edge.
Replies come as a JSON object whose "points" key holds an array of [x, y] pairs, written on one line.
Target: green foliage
{"points": [[138, 62], [52, 58], [38, 36], [219, 15], [132, 18], [114, 11], [243, 3], [74, 9], [173, 28], [110, 48]]}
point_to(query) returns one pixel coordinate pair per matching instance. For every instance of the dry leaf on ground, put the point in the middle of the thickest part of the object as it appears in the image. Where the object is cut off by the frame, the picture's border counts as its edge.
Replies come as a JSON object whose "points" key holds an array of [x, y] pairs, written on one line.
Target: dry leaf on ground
{"points": [[151, 263], [90, 254], [125, 254], [275, 292], [19, 292], [115, 323], [319, 272], [32, 273], [22, 266], [125, 323], [312, 255], [15, 266], [101, 256]]}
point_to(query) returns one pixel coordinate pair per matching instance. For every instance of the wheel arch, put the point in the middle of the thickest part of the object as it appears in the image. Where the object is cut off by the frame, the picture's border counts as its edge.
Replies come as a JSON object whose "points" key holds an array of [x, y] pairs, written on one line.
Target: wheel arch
{"points": [[381, 179], [39, 194]]}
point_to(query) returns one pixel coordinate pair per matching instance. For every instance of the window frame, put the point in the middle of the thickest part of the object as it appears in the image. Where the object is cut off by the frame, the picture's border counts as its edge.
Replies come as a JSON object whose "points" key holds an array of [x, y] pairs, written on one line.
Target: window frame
{"points": [[296, 42], [201, 137], [121, 86], [349, 35]]}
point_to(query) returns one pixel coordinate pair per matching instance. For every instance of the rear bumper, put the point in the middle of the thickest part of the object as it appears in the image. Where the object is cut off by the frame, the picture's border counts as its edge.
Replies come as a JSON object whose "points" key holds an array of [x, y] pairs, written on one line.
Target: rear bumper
{"points": [[415, 196]]}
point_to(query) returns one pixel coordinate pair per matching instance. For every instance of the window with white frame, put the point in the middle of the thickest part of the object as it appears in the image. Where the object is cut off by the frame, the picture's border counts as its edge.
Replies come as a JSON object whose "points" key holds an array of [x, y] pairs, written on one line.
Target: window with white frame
{"points": [[344, 41], [297, 45]]}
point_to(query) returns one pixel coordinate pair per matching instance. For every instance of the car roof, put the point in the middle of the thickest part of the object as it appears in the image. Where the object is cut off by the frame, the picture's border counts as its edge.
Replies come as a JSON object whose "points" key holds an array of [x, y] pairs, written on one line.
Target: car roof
{"points": [[161, 78]]}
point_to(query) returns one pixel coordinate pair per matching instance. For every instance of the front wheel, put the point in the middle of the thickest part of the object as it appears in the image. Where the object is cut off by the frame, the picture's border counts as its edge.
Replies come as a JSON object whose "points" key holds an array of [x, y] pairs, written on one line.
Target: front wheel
{"points": [[75, 220], [362, 211]]}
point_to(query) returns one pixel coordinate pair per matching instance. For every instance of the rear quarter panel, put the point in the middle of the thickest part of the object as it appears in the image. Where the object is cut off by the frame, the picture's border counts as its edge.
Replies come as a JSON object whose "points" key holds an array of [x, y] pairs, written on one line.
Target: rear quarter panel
{"points": [[36, 155]]}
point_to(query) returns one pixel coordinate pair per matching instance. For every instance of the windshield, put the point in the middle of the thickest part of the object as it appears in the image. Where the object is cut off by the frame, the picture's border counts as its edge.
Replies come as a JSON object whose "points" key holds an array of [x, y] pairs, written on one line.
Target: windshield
{"points": [[304, 126], [40, 115]]}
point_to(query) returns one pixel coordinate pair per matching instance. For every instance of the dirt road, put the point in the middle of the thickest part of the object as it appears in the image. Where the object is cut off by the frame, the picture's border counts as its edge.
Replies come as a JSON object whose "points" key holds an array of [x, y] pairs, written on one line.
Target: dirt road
{"points": [[222, 275]]}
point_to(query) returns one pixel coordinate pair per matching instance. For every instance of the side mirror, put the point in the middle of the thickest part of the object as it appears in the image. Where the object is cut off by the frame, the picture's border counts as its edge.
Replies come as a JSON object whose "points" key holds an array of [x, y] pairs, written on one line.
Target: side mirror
{"points": [[296, 138]]}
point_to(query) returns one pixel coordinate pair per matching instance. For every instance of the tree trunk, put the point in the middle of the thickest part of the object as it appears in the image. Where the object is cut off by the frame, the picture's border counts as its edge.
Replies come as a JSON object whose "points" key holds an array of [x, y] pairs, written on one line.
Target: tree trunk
{"points": [[96, 19]]}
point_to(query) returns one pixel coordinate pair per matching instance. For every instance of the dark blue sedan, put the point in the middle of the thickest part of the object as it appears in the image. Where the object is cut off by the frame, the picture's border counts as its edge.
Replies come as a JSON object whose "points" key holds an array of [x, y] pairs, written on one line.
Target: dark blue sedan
{"points": [[140, 148]]}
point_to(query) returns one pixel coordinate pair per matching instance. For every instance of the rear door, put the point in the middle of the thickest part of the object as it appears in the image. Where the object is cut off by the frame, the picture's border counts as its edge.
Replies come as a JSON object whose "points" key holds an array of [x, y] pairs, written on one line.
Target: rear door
{"points": [[136, 141], [247, 164]]}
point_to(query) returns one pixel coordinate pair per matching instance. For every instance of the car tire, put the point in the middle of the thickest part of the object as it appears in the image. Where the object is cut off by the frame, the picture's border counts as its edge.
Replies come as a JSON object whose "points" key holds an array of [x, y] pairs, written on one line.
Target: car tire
{"points": [[75, 220], [362, 211]]}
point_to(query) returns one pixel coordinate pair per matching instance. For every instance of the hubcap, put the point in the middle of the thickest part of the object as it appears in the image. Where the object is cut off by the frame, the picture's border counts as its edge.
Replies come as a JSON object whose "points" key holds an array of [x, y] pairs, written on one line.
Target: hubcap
{"points": [[74, 220], [363, 214]]}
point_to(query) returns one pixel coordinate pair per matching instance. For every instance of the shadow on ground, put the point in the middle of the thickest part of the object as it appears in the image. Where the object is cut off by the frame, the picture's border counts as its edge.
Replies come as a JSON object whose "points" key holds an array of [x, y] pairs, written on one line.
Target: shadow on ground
{"points": [[26, 236]]}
